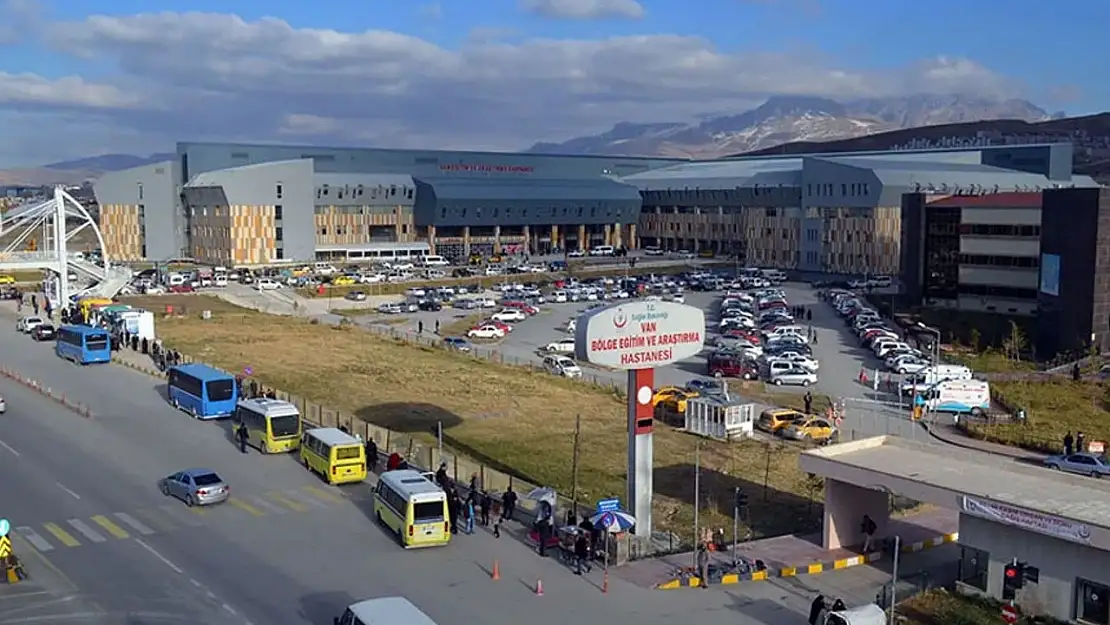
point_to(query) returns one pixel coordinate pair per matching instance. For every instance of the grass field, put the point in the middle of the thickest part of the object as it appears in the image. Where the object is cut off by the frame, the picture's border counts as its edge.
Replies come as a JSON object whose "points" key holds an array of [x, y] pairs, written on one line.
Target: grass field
{"points": [[518, 418], [989, 361], [940, 607], [1052, 409]]}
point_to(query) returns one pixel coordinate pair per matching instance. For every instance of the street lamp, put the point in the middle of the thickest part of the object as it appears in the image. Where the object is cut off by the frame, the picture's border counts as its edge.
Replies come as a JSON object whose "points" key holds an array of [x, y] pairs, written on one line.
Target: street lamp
{"points": [[936, 344]]}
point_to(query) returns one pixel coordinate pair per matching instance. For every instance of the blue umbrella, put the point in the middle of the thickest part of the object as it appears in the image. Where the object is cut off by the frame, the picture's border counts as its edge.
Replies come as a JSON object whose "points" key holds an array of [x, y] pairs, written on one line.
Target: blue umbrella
{"points": [[613, 521]]}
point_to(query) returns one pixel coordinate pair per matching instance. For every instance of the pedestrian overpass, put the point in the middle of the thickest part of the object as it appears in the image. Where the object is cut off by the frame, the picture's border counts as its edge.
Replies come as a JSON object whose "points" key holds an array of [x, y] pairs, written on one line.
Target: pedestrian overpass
{"points": [[37, 236]]}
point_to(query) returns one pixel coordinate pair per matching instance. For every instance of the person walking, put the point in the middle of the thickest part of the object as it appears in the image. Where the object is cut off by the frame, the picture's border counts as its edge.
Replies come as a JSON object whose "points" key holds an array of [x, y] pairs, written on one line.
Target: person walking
{"points": [[1080, 442], [420, 327], [581, 553], [243, 436], [808, 401], [508, 504], [1069, 443], [485, 503], [371, 455], [470, 513]]}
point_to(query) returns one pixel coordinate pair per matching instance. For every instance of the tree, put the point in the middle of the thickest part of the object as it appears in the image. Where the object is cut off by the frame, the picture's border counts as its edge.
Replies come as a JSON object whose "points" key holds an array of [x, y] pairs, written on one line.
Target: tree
{"points": [[975, 338], [1015, 342]]}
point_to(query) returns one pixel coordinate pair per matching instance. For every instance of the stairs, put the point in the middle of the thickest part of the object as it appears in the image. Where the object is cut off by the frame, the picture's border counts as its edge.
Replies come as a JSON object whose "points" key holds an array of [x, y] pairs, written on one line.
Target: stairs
{"points": [[112, 283]]}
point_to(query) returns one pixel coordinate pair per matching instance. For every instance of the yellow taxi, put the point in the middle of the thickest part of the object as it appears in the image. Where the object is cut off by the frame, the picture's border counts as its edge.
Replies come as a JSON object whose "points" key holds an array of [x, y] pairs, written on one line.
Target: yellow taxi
{"points": [[343, 281], [6, 279], [672, 397], [813, 429], [774, 419], [496, 258]]}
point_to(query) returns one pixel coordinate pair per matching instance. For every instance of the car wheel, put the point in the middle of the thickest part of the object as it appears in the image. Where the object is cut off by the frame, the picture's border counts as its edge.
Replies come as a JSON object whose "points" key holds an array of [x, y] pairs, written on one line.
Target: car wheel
{"points": [[902, 371], [1096, 474], [189, 501], [805, 382], [778, 382], [176, 404], [165, 488]]}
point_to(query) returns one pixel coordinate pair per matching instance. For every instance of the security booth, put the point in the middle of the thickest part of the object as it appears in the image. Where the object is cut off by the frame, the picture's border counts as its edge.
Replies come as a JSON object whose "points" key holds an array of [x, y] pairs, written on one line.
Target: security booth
{"points": [[720, 417]]}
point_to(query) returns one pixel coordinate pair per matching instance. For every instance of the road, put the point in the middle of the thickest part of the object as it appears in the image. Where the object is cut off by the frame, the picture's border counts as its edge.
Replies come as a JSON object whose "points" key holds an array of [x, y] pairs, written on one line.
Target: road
{"points": [[291, 550]]}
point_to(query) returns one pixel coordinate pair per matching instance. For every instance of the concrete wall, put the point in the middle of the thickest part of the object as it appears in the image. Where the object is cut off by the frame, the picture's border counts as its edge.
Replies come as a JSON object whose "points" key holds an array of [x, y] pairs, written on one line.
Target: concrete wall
{"points": [[1060, 562], [156, 189], [845, 505]]}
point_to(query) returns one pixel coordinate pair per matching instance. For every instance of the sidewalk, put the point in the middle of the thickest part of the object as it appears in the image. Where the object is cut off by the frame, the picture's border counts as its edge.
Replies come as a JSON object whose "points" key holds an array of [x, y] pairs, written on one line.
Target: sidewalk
{"points": [[791, 556], [952, 435]]}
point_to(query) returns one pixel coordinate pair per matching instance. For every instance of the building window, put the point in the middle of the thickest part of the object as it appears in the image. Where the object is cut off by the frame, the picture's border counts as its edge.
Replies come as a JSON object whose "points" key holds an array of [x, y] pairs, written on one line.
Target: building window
{"points": [[277, 211], [279, 191], [140, 191], [325, 190], [278, 234], [843, 188], [408, 193], [1093, 603], [279, 253]]}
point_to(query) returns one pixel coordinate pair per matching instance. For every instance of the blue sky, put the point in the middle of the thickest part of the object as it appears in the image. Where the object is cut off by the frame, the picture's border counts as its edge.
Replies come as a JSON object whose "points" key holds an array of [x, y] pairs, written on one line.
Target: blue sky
{"points": [[501, 74]]}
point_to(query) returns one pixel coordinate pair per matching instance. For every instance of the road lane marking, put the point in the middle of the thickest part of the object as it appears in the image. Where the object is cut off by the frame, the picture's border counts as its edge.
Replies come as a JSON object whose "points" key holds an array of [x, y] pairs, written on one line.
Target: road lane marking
{"points": [[9, 448], [31, 536], [262, 503], [63, 536], [176, 514], [158, 519], [68, 491], [287, 502], [245, 507], [113, 529], [324, 494], [161, 557], [134, 523], [305, 499], [86, 531]]}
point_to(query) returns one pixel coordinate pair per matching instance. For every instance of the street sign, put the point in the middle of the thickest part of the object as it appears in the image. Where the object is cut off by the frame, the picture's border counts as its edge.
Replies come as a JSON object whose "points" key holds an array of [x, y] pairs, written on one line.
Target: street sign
{"points": [[608, 505], [247, 371], [5, 527], [5, 547], [1009, 613]]}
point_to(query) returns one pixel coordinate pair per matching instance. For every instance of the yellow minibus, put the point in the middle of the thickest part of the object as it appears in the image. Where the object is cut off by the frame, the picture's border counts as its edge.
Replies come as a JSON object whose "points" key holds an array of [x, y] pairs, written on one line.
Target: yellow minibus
{"points": [[334, 455], [411, 505], [273, 426]]}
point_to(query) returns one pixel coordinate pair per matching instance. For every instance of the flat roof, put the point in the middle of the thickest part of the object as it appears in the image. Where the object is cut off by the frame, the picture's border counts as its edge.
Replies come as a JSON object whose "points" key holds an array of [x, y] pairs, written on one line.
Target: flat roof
{"points": [[963, 472], [333, 436]]}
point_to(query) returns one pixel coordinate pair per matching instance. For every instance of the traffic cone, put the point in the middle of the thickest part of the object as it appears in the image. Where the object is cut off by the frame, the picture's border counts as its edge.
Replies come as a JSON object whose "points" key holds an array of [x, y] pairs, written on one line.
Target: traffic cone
{"points": [[539, 587], [863, 376], [605, 583], [496, 574]]}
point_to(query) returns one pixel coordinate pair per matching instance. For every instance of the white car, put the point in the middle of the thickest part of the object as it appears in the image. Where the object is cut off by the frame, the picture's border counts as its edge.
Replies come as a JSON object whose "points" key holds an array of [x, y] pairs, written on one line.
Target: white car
{"points": [[220, 280], [559, 297], [267, 284], [909, 365], [26, 324], [486, 332], [795, 376], [3, 406], [562, 366], [576, 254], [809, 363], [653, 251], [372, 278], [485, 302], [562, 345], [572, 326], [509, 315]]}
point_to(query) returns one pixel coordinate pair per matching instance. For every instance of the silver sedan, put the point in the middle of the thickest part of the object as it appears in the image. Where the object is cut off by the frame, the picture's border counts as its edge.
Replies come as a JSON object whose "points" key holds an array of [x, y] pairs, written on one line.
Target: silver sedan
{"points": [[1083, 463], [196, 487], [794, 376]]}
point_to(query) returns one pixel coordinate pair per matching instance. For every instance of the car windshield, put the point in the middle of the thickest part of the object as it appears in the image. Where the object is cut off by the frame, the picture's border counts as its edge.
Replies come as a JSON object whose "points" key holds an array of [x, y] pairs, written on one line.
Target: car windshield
{"points": [[286, 425], [206, 479]]}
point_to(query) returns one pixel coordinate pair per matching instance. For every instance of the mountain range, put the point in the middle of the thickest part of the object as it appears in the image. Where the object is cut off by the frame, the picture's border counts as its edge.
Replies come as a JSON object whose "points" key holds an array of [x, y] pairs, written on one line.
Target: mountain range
{"points": [[78, 170], [788, 119]]}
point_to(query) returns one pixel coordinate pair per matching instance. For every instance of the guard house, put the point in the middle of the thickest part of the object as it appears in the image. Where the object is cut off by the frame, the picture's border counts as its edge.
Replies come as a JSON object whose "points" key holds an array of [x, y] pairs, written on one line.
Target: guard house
{"points": [[1057, 523], [720, 417]]}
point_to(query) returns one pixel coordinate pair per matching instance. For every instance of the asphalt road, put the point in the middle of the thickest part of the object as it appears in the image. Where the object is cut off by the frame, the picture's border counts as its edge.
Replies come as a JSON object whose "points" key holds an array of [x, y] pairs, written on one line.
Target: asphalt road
{"points": [[81, 493]]}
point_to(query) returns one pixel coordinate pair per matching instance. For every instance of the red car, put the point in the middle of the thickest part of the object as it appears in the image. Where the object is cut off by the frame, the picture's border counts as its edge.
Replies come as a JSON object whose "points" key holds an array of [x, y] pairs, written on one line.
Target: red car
{"points": [[181, 288], [732, 366], [523, 307], [747, 335], [504, 327]]}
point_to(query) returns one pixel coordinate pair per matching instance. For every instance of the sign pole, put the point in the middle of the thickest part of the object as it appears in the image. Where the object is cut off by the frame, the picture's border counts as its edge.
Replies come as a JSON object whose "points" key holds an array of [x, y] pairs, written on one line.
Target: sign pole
{"points": [[641, 416], [574, 466], [894, 577]]}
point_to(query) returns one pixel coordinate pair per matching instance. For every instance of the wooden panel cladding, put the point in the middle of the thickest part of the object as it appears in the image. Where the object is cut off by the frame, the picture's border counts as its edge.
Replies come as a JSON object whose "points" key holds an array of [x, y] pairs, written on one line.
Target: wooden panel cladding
{"points": [[857, 241], [122, 229], [350, 225], [771, 235], [238, 234]]}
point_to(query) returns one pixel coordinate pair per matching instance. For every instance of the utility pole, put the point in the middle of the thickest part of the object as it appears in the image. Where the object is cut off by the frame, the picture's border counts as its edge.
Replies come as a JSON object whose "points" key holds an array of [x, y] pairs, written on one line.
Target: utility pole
{"points": [[439, 438], [736, 525], [894, 577], [574, 465], [697, 499]]}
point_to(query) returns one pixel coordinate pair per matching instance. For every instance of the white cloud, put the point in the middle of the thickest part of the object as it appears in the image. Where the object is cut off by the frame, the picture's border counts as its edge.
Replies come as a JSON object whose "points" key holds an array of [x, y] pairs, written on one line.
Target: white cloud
{"points": [[584, 9], [218, 77]]}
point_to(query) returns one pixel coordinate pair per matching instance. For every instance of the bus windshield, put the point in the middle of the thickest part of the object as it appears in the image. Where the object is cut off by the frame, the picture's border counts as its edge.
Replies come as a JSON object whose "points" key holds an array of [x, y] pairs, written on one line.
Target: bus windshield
{"points": [[286, 425], [96, 342], [221, 390]]}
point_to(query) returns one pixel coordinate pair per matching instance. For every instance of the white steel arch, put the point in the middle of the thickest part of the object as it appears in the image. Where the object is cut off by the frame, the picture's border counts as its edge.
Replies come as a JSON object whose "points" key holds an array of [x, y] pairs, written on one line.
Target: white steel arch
{"points": [[51, 225]]}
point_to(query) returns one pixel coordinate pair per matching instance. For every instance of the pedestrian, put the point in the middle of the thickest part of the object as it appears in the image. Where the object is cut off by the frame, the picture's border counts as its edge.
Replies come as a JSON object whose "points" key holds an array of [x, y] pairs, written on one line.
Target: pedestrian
{"points": [[868, 528], [809, 315], [808, 400], [441, 476], [1076, 372], [702, 559], [1080, 442], [243, 435], [135, 342], [470, 513], [372, 455], [543, 528], [420, 327], [1069, 441], [145, 346], [474, 486], [484, 505], [581, 553], [508, 504], [393, 462], [35, 304], [816, 608], [453, 505], [345, 430]]}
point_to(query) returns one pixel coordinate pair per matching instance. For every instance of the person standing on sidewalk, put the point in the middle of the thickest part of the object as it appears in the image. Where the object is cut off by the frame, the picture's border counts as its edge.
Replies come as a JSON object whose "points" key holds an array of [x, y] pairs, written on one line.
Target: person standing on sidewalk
{"points": [[1080, 442], [702, 561], [1069, 442]]}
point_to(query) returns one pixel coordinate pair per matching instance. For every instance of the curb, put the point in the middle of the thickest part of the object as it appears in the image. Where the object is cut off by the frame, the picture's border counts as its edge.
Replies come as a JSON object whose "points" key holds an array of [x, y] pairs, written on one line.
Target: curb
{"points": [[76, 407], [813, 568], [152, 372]]}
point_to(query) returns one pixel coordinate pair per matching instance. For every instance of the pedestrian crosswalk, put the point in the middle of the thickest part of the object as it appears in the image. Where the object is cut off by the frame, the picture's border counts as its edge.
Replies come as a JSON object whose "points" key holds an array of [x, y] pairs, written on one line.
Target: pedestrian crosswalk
{"points": [[174, 515]]}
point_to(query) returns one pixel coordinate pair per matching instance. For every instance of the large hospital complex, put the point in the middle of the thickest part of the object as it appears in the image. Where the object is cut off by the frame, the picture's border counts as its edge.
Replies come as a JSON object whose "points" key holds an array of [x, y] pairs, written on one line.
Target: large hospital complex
{"points": [[963, 228]]}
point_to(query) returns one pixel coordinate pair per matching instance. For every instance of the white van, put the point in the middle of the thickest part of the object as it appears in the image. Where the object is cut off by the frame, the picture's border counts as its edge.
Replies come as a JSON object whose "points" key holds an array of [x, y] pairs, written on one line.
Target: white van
{"points": [[383, 611], [602, 250], [934, 374], [323, 269], [959, 397], [434, 261]]}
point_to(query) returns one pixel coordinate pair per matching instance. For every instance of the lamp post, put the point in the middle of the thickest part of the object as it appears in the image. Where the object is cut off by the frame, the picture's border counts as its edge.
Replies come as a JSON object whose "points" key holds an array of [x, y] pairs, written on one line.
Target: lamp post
{"points": [[936, 344]]}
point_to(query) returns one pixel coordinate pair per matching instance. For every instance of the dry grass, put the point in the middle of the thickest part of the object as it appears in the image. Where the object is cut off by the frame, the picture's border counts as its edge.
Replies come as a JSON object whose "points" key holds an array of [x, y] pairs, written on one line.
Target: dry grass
{"points": [[509, 415], [1052, 409], [940, 607], [989, 361]]}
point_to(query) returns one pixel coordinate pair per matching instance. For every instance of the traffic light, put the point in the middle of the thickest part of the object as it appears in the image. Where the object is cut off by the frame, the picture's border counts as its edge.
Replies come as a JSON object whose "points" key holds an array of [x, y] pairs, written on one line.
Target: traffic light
{"points": [[1013, 578], [741, 499]]}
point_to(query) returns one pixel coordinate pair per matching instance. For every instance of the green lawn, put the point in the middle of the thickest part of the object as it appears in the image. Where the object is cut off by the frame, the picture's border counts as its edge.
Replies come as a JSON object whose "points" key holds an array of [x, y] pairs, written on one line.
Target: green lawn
{"points": [[1052, 409]]}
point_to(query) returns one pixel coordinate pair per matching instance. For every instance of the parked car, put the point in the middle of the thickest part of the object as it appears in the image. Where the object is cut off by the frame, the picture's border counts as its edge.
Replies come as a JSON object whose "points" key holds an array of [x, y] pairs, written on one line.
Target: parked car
{"points": [[196, 487], [456, 343], [267, 284], [1082, 463], [815, 429], [794, 376], [486, 332], [509, 315], [562, 345], [44, 332], [356, 296], [27, 324], [562, 366]]}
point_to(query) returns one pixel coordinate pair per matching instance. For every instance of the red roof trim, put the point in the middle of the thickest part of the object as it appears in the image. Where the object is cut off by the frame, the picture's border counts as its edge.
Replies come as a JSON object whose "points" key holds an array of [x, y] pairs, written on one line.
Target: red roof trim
{"points": [[1008, 199]]}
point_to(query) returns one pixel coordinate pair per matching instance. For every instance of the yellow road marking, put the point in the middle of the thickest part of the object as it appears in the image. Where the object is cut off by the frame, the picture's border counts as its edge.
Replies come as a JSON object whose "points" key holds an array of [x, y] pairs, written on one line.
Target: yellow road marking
{"points": [[63, 536], [111, 527], [323, 494], [287, 502], [198, 510], [246, 507]]}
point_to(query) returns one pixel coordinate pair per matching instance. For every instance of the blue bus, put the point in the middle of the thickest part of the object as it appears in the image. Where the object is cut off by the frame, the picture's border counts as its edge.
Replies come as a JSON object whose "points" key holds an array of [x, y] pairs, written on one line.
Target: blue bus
{"points": [[202, 391], [83, 344]]}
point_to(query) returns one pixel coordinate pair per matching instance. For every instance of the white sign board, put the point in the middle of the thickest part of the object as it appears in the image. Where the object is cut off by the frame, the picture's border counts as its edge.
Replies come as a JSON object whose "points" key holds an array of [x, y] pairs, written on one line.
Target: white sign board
{"points": [[639, 335], [1026, 519]]}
